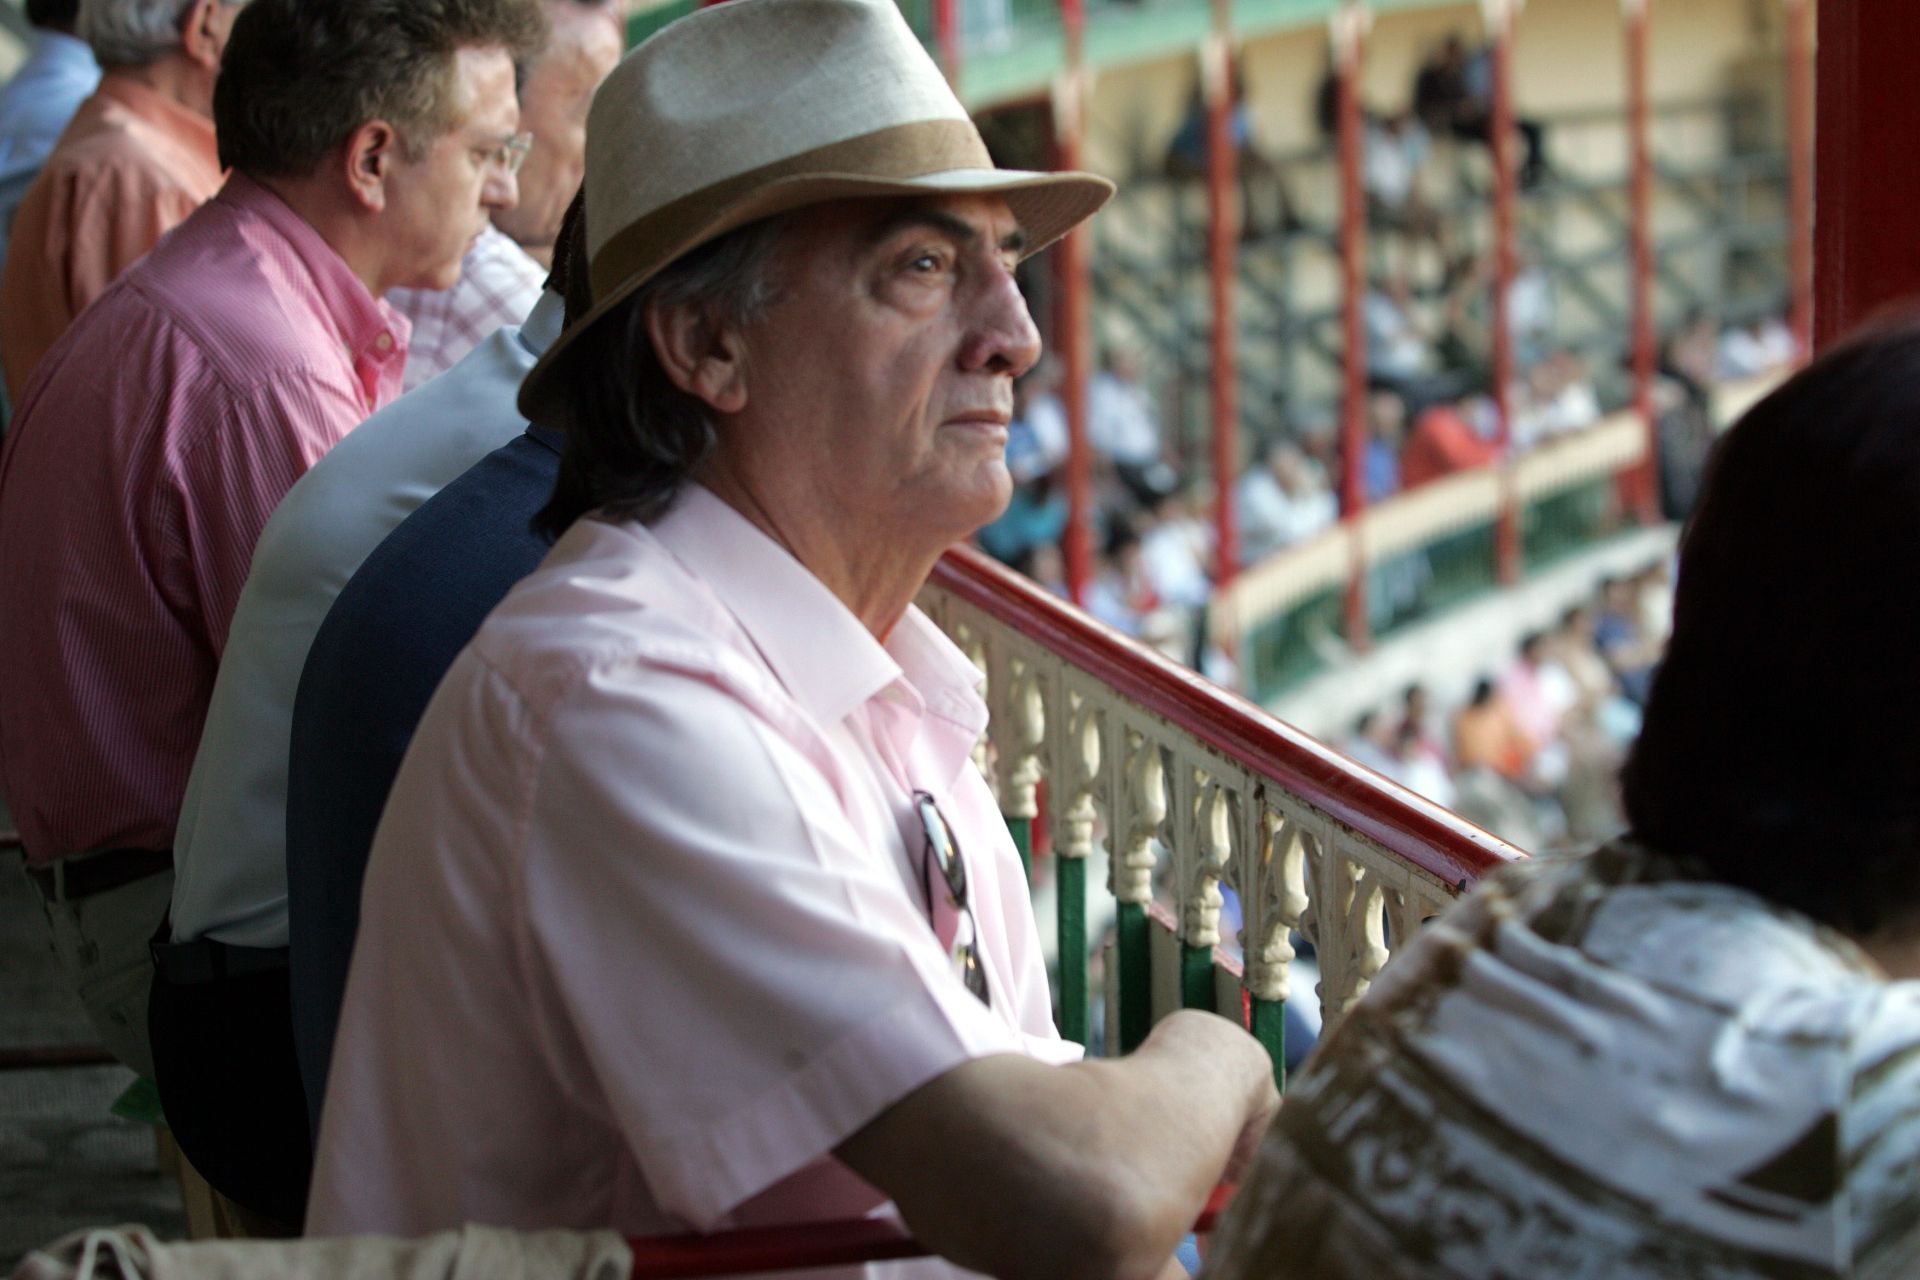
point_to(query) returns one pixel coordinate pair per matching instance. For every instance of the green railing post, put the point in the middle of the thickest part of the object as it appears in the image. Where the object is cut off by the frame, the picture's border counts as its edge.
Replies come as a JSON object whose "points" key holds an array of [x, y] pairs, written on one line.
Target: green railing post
{"points": [[1134, 947], [1269, 1027], [1196, 977], [1021, 829], [1072, 915]]}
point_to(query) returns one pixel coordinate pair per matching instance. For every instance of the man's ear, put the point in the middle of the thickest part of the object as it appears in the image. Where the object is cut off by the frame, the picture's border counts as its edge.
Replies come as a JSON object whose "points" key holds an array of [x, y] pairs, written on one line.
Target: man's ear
{"points": [[202, 35], [705, 360], [368, 158]]}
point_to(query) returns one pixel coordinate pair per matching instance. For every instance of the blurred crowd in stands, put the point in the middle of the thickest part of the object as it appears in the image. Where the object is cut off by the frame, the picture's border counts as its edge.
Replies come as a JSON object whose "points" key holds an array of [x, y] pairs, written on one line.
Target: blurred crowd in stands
{"points": [[1534, 752], [1154, 530], [1430, 410]]}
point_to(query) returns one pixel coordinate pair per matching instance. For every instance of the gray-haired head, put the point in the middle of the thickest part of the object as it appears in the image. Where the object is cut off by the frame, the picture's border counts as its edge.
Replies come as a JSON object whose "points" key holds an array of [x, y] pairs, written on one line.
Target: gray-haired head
{"points": [[134, 33]]}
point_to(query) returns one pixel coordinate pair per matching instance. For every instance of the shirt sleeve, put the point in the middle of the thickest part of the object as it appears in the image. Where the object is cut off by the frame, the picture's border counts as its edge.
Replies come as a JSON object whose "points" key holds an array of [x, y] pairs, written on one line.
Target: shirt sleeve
{"points": [[747, 982]]}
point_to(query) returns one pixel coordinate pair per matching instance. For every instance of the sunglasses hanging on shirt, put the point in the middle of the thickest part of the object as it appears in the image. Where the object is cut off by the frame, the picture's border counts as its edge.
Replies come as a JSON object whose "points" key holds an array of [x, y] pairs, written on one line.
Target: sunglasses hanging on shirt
{"points": [[943, 878]]}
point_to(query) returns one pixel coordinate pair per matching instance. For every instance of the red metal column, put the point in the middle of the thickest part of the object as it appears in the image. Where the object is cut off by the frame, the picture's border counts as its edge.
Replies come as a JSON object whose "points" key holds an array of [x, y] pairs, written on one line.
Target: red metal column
{"points": [[946, 38], [1074, 322], [1499, 15], [1223, 238], [1640, 487], [1349, 50], [1866, 253]]}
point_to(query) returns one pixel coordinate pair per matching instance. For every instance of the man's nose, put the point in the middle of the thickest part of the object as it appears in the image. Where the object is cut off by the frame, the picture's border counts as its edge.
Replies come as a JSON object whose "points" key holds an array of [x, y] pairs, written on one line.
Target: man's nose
{"points": [[501, 190], [1004, 337]]}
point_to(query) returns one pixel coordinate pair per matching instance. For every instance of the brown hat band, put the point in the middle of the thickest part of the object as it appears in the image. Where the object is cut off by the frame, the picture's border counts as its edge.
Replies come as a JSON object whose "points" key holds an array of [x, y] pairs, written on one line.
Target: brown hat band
{"points": [[900, 152]]}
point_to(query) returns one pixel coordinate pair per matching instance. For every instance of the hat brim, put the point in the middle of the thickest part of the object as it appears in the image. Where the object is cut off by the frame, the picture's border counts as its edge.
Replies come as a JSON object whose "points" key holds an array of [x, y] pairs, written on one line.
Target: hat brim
{"points": [[1045, 205]]}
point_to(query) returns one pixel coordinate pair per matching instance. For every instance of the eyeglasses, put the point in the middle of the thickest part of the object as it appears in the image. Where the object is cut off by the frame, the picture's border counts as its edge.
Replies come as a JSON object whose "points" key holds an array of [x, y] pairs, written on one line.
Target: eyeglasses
{"points": [[941, 854], [507, 153]]}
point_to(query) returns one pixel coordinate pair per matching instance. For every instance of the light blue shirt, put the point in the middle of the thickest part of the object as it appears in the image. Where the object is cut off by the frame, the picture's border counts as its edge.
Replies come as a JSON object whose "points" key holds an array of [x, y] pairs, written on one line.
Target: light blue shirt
{"points": [[230, 849], [35, 107]]}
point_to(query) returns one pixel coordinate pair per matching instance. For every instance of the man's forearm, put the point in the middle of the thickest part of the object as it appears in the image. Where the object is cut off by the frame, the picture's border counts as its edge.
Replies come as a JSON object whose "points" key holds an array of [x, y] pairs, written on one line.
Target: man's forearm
{"points": [[1096, 1169]]}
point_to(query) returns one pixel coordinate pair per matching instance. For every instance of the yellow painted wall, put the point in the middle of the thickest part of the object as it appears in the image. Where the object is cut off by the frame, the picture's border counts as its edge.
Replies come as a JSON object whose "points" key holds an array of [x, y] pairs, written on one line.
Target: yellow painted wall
{"points": [[1569, 56]]}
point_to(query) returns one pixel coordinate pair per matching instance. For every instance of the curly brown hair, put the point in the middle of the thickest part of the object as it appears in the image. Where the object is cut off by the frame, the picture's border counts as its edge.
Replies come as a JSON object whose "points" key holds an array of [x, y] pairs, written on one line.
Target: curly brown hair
{"points": [[299, 78]]}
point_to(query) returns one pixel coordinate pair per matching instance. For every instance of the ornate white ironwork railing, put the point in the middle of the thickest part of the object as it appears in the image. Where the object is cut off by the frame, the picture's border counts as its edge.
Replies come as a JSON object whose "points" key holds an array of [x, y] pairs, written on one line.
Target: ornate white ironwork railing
{"points": [[1190, 789]]}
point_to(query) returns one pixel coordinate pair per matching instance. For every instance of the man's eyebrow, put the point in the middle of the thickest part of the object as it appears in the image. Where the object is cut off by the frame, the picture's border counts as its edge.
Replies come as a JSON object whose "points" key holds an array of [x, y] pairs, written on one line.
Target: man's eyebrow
{"points": [[958, 229]]}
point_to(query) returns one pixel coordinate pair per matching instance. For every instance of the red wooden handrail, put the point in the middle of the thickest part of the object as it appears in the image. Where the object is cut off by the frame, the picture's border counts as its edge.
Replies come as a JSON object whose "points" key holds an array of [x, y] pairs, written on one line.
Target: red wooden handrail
{"points": [[1415, 829], [845, 1243]]}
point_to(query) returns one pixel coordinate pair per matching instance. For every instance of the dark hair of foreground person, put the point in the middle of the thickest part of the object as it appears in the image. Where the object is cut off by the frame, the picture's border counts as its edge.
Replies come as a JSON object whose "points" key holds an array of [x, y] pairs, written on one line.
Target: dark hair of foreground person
{"points": [[1781, 748]]}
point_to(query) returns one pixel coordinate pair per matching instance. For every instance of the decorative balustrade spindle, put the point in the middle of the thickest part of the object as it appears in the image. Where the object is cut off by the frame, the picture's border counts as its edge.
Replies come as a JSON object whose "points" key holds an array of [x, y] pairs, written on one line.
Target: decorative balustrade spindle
{"points": [[1142, 810]]}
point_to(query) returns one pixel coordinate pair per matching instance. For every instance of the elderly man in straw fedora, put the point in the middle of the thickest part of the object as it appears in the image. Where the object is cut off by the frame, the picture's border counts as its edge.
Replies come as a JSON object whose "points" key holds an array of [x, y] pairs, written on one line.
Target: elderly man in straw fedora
{"points": [[688, 908]]}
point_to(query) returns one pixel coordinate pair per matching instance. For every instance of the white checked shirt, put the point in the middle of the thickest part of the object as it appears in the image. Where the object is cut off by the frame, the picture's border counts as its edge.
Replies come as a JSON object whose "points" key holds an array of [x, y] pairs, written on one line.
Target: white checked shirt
{"points": [[499, 283]]}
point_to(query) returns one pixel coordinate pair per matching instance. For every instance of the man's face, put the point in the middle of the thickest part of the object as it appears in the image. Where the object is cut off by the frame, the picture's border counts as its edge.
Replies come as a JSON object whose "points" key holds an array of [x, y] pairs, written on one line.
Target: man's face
{"points": [[553, 108], [881, 377], [437, 205]]}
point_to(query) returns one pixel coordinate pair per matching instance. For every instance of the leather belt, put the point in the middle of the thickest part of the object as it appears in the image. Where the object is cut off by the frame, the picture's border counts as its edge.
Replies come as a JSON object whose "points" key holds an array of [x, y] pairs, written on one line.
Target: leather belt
{"points": [[192, 964], [85, 874]]}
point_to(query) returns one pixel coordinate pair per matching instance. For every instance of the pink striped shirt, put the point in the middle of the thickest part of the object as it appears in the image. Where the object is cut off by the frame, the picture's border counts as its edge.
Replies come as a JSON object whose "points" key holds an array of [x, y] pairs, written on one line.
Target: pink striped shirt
{"points": [[150, 447]]}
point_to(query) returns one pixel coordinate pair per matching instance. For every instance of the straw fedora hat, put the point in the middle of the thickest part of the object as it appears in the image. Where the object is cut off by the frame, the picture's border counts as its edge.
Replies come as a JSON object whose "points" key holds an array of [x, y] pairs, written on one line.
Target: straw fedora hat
{"points": [[756, 107]]}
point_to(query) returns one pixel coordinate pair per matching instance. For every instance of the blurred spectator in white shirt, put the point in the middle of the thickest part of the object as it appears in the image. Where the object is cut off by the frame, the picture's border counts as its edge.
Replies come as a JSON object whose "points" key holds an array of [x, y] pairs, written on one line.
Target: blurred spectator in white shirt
{"points": [[1371, 744], [1418, 770], [1121, 421], [1555, 397], [1176, 551], [1281, 500], [1397, 147], [1760, 346]]}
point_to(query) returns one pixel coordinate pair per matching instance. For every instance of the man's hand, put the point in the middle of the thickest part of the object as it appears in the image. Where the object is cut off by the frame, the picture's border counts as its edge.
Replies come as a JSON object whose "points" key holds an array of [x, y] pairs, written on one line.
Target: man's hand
{"points": [[1247, 1146]]}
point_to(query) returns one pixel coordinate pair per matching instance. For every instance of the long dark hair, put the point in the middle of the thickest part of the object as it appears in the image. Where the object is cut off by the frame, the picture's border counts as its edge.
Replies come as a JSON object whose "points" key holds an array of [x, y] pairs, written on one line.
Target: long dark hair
{"points": [[632, 436], [1781, 745]]}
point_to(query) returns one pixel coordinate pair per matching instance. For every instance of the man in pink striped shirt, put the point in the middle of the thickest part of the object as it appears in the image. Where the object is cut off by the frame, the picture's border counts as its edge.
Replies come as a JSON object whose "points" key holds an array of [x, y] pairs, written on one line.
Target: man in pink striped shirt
{"points": [[369, 141]]}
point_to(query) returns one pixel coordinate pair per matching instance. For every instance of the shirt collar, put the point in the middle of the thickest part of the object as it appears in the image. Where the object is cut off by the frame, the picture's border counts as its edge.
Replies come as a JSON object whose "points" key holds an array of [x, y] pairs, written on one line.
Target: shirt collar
{"points": [[162, 112], [944, 675], [541, 328], [373, 333], [820, 652]]}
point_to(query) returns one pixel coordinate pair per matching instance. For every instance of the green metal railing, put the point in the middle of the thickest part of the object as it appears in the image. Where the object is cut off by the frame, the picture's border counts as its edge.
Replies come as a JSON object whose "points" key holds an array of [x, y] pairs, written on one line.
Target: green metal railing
{"points": [[1291, 646], [647, 21], [1569, 522]]}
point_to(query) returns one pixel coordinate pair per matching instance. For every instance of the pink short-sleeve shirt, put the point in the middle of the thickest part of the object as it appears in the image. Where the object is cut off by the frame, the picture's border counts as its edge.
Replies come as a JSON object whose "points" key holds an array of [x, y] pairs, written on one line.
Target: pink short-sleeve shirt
{"points": [[643, 936]]}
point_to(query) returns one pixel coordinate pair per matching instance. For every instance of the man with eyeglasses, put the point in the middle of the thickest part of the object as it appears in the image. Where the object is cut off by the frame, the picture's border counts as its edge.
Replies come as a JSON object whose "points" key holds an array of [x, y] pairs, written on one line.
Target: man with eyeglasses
{"points": [[151, 446], [501, 276], [688, 907]]}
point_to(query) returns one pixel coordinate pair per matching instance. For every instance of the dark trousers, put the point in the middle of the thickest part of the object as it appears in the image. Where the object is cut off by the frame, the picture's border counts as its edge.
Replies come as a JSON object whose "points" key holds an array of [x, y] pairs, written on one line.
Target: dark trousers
{"points": [[223, 1058]]}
